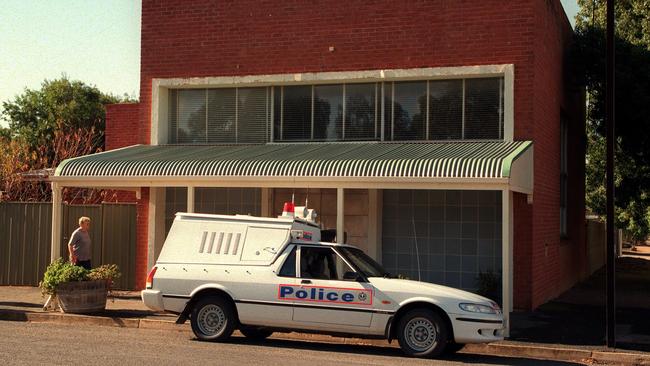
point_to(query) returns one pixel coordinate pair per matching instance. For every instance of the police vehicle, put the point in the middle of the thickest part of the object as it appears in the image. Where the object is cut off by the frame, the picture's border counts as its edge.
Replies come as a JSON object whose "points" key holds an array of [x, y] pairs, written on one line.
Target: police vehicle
{"points": [[265, 275]]}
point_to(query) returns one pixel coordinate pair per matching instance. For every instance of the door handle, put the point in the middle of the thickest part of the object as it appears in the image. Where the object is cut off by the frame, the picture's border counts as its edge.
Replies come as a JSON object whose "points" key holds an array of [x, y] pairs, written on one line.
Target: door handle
{"points": [[305, 281]]}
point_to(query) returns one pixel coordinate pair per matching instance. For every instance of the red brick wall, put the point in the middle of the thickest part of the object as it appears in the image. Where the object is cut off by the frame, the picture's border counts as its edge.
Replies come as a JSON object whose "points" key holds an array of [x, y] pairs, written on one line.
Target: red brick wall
{"points": [[142, 239], [122, 121], [555, 264], [222, 38]]}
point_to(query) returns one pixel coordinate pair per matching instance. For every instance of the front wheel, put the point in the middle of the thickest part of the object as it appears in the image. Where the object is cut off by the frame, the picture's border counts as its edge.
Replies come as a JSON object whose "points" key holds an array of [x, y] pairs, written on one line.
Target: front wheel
{"points": [[212, 319], [422, 333]]}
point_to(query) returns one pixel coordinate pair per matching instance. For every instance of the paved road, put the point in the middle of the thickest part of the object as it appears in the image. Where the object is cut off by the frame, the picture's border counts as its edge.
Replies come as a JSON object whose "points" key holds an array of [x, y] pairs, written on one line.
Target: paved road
{"points": [[49, 344]]}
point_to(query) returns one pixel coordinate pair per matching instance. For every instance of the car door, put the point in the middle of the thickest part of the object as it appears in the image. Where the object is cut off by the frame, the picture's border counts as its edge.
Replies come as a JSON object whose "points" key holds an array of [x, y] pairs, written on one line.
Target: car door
{"points": [[329, 293], [260, 303]]}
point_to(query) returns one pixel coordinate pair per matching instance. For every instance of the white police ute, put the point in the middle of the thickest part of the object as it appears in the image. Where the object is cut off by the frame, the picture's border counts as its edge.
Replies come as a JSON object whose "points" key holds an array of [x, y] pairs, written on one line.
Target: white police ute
{"points": [[265, 275]]}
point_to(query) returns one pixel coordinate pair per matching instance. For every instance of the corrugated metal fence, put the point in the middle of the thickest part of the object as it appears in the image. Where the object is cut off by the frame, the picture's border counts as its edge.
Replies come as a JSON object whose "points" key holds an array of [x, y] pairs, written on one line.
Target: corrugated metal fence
{"points": [[26, 229]]}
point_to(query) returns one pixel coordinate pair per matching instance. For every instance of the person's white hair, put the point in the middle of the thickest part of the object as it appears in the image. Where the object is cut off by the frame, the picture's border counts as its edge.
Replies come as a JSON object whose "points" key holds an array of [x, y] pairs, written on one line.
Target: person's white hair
{"points": [[83, 219]]}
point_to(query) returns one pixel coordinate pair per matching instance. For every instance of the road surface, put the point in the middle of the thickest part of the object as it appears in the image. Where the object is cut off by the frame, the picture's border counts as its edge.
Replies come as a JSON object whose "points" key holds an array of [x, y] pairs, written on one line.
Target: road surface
{"points": [[51, 344]]}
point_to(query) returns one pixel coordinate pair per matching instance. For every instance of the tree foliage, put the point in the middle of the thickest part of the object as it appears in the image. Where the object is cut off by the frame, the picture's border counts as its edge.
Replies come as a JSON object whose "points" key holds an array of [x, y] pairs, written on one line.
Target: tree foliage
{"points": [[63, 119], [632, 108], [20, 161], [59, 104]]}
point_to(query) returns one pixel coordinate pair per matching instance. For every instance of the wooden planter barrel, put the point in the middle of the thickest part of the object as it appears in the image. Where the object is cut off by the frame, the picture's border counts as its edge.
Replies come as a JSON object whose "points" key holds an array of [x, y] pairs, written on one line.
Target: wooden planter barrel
{"points": [[82, 296]]}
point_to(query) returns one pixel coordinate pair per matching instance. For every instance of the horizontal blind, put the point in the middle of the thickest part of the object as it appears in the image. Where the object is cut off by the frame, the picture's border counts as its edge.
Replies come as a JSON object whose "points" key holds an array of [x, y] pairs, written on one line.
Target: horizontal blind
{"points": [[388, 111], [221, 116], [251, 115], [360, 112], [445, 109], [409, 115], [483, 108], [328, 112], [173, 113], [191, 119], [296, 113]]}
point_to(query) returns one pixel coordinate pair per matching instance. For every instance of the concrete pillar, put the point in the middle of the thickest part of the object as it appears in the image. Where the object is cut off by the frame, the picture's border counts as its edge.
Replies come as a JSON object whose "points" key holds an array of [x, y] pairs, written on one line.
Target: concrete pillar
{"points": [[155, 224], [374, 223], [57, 219], [190, 199], [507, 235], [265, 210]]}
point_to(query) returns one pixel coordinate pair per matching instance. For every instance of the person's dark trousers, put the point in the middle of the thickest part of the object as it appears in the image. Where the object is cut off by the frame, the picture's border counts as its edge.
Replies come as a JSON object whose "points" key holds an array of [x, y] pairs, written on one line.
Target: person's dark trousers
{"points": [[84, 264]]}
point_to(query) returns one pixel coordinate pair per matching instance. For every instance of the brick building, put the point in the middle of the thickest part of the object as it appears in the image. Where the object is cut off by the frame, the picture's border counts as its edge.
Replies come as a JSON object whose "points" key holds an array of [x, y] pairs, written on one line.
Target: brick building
{"points": [[408, 125]]}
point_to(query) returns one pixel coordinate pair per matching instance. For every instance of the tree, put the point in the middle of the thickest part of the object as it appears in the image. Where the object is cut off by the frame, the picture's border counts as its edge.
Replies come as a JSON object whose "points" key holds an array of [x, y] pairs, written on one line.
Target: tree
{"points": [[632, 108], [19, 161], [60, 104], [63, 119]]}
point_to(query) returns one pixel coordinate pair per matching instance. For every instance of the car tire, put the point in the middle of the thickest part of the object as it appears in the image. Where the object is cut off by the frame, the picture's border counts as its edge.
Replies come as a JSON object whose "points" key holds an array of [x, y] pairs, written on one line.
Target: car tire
{"points": [[212, 319], [254, 333], [453, 347], [422, 333]]}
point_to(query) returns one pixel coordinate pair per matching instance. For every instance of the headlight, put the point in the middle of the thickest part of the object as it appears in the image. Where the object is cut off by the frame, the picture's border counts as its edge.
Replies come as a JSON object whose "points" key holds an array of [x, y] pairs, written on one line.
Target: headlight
{"points": [[477, 308]]}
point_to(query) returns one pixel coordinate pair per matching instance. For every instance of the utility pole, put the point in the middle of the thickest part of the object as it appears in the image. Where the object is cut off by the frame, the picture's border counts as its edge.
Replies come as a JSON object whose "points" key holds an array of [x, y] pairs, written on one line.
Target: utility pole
{"points": [[609, 120]]}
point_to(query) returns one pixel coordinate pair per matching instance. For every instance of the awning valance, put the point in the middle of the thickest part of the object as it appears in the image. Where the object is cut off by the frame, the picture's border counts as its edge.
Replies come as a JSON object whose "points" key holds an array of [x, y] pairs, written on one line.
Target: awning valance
{"points": [[443, 160]]}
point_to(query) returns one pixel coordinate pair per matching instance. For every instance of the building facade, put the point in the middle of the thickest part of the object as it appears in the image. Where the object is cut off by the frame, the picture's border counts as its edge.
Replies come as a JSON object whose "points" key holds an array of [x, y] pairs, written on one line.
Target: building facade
{"points": [[444, 138]]}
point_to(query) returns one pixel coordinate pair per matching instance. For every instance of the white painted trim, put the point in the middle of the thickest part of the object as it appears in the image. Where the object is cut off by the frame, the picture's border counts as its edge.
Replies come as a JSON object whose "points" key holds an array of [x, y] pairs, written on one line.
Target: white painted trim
{"points": [[340, 216], [507, 235], [57, 218], [284, 182], [509, 103], [522, 173], [336, 77], [159, 104]]}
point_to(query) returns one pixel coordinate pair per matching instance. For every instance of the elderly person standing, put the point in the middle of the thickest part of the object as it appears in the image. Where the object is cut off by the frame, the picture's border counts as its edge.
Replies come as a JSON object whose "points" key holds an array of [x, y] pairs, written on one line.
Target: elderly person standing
{"points": [[79, 244]]}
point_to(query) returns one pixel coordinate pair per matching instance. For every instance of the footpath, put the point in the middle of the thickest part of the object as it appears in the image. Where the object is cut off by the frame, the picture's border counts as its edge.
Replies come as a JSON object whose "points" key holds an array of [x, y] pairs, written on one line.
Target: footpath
{"points": [[124, 309]]}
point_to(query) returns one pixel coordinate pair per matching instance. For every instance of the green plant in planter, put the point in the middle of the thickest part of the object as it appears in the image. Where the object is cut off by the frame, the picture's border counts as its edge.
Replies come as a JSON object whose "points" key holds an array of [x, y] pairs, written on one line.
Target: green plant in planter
{"points": [[58, 272], [61, 271], [108, 272]]}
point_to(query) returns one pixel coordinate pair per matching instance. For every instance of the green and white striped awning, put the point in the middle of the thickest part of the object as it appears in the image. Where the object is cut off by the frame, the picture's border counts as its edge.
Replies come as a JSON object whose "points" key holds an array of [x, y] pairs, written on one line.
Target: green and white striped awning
{"points": [[325, 160]]}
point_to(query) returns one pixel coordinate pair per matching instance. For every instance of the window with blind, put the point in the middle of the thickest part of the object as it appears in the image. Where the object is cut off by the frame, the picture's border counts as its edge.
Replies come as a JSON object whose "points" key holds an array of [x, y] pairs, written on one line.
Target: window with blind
{"points": [[454, 109], [219, 116]]}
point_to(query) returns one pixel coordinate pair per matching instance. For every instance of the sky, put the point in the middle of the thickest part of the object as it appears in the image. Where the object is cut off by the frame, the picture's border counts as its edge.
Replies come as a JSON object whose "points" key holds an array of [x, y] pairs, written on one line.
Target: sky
{"points": [[95, 41]]}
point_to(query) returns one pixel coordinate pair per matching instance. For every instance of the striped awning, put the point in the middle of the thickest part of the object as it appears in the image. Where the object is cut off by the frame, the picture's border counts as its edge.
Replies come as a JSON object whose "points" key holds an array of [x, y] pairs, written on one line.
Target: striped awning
{"points": [[326, 160]]}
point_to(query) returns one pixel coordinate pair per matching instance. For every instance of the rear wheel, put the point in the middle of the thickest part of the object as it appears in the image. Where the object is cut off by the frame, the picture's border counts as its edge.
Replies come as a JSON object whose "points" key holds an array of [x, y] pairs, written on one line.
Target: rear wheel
{"points": [[212, 319], [255, 333], [422, 333]]}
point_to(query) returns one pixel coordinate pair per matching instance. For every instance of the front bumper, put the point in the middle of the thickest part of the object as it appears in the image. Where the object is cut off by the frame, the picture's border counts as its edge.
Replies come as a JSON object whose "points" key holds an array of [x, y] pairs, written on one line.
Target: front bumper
{"points": [[153, 299], [469, 328]]}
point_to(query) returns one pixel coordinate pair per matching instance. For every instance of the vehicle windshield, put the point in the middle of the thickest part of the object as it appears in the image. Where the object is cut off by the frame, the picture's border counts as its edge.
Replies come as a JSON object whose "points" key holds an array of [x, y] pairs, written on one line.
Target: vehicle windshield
{"points": [[363, 262]]}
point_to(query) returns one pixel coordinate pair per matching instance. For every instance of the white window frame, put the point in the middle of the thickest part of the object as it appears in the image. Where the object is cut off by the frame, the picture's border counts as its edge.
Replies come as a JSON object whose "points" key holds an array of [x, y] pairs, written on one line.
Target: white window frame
{"points": [[160, 87]]}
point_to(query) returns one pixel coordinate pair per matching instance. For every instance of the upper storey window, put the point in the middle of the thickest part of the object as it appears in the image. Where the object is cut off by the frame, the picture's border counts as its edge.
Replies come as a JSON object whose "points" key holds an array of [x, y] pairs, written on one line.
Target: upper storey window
{"points": [[428, 110]]}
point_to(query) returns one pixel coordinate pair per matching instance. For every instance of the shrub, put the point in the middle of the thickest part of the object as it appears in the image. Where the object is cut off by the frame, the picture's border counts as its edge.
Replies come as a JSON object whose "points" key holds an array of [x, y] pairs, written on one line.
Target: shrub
{"points": [[108, 272], [61, 271]]}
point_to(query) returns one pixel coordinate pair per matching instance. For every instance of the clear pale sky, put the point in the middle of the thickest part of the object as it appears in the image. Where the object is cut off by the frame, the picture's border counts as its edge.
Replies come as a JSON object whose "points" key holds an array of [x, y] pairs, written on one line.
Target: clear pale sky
{"points": [[95, 41]]}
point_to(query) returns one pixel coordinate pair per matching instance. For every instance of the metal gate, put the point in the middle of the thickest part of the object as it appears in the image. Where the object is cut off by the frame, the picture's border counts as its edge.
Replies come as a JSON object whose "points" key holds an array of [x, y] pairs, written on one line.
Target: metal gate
{"points": [[26, 229]]}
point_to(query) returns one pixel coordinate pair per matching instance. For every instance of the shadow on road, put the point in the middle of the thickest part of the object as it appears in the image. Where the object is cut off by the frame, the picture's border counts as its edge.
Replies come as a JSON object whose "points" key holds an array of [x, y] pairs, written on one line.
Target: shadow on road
{"points": [[370, 350]]}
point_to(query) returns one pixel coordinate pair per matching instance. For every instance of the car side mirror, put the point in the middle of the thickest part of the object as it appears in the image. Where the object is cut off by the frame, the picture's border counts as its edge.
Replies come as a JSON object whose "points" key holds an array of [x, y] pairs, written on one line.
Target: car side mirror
{"points": [[352, 276]]}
